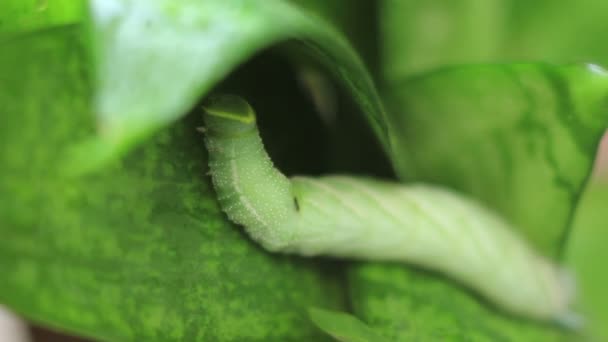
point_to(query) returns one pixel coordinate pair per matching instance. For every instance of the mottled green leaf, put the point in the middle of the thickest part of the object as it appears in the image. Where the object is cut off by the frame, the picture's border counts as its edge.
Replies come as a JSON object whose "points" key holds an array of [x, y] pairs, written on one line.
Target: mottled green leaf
{"points": [[342, 326], [138, 251], [410, 305], [522, 138]]}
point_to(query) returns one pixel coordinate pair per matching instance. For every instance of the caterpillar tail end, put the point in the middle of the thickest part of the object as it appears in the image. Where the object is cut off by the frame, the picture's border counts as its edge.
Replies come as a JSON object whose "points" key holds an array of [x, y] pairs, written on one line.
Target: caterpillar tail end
{"points": [[228, 114], [569, 319]]}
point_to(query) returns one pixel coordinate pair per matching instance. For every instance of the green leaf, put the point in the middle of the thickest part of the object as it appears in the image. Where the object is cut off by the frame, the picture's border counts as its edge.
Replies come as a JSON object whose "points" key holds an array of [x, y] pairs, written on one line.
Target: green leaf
{"points": [[420, 36], [536, 31], [136, 251], [423, 35], [139, 249], [342, 326], [499, 131], [27, 15], [178, 51], [410, 305], [457, 124], [586, 256], [522, 139]]}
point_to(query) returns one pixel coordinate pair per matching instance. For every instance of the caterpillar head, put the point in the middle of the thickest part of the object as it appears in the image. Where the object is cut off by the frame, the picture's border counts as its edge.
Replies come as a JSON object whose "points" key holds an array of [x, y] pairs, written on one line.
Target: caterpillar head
{"points": [[228, 115]]}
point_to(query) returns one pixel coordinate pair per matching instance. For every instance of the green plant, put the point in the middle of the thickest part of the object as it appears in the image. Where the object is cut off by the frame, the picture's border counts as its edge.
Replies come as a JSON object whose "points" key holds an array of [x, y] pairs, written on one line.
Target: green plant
{"points": [[111, 230]]}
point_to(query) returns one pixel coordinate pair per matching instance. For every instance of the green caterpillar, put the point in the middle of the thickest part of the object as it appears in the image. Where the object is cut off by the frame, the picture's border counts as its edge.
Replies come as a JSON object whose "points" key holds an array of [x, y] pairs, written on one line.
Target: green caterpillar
{"points": [[369, 219]]}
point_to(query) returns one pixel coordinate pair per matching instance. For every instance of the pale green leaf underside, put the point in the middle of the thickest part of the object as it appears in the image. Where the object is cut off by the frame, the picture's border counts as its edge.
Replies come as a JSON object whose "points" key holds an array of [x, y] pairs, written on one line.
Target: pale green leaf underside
{"points": [[178, 51]]}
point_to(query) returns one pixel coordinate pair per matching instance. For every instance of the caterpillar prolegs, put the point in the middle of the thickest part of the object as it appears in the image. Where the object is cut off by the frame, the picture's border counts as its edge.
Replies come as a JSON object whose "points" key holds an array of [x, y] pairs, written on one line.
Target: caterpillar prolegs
{"points": [[369, 219]]}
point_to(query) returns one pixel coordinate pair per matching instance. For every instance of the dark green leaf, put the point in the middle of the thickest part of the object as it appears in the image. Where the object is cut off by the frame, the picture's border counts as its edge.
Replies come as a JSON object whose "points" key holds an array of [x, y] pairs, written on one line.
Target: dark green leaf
{"points": [[342, 326]]}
